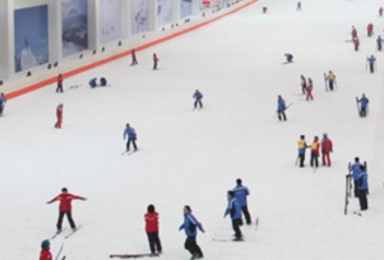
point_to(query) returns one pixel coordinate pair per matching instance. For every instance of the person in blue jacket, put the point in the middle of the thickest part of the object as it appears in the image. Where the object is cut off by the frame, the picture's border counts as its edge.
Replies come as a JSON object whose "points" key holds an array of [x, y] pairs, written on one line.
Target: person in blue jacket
{"points": [[130, 133], [234, 210], [362, 188], [281, 107], [3, 100], [198, 97], [363, 105], [93, 82], [371, 62], [289, 57], [379, 41], [103, 82], [190, 226], [354, 170], [241, 193]]}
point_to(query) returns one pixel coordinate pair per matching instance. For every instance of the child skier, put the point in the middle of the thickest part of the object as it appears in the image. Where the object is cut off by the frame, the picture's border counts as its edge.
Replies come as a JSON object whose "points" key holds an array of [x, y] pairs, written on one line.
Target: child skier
{"points": [[60, 80], [331, 78], [356, 43], [309, 89], [155, 61], [326, 149], [354, 170], [372, 62], [189, 225], [289, 57], [234, 210], [65, 207], [152, 229], [370, 30], [315, 152], [281, 107], [354, 33], [362, 188], [45, 253], [134, 60], [301, 145], [59, 115], [303, 84], [379, 42]]}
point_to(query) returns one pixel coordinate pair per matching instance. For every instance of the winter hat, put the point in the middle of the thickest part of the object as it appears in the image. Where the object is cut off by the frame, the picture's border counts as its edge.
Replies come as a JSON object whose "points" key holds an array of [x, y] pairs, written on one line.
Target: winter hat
{"points": [[151, 208], [45, 244]]}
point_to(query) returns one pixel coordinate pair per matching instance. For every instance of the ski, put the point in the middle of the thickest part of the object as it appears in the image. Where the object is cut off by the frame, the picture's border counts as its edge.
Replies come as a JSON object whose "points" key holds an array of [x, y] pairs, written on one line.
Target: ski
{"points": [[132, 255], [227, 240], [72, 233], [325, 81], [55, 235], [129, 152], [347, 192], [59, 253]]}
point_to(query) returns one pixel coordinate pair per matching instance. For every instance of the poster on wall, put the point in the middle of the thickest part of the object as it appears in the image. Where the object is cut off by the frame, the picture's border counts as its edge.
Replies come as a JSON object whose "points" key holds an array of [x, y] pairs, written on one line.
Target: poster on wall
{"points": [[140, 16], [110, 20], [31, 37], [186, 8], [75, 26], [164, 12]]}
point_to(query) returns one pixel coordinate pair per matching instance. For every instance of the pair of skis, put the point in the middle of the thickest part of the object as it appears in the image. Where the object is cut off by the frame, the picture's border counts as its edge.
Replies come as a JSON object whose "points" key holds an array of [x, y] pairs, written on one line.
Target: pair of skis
{"points": [[66, 236], [132, 255]]}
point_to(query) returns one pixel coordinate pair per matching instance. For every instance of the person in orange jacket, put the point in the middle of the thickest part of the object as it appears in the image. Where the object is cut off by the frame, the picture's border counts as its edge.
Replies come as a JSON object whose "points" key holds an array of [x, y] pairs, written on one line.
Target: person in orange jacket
{"points": [[45, 253], [315, 147], [65, 207], [303, 84], [326, 150]]}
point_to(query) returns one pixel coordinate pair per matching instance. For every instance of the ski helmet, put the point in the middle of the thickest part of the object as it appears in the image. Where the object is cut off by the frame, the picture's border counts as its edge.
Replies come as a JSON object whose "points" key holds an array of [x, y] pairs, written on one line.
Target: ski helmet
{"points": [[45, 244]]}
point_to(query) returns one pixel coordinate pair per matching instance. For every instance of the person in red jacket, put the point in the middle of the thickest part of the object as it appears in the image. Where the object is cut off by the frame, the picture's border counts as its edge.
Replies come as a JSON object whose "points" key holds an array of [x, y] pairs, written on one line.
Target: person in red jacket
{"points": [[59, 115], [134, 60], [60, 80], [155, 61], [45, 254], [370, 30], [315, 152], [309, 89], [152, 229], [354, 32], [381, 11], [326, 149], [356, 43], [65, 207]]}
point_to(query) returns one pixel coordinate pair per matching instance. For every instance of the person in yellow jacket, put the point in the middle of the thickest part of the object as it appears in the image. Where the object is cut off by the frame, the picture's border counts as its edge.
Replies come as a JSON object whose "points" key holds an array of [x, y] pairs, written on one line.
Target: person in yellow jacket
{"points": [[301, 145], [315, 148], [331, 78]]}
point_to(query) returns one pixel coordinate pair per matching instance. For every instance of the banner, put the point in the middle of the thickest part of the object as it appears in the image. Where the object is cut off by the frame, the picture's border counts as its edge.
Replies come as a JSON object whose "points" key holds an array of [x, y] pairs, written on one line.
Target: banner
{"points": [[75, 26], [186, 8], [110, 20], [140, 15], [164, 12], [31, 37]]}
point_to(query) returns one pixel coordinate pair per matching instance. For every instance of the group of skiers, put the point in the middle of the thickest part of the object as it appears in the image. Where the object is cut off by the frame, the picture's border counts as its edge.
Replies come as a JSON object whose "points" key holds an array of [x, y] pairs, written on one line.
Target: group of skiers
{"points": [[325, 146], [155, 59]]}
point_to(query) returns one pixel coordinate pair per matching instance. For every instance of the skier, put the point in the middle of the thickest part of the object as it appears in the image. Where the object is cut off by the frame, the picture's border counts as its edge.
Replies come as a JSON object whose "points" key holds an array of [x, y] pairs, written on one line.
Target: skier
{"points": [[356, 43], [45, 253], [234, 210], [130, 133], [3, 100], [241, 193], [298, 6], [155, 61], [303, 84], [301, 145], [372, 63], [281, 108], [315, 152], [93, 82], [190, 224], [152, 229], [331, 80], [309, 89], [198, 97], [326, 150], [289, 57], [60, 80], [354, 170], [381, 11], [265, 9], [370, 30], [103, 82], [59, 115], [362, 188], [134, 60], [65, 207], [379, 41], [364, 101], [354, 33]]}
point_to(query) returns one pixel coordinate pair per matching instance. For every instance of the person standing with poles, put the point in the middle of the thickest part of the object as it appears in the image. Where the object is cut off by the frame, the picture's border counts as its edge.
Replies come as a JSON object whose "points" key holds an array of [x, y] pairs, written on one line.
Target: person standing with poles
{"points": [[372, 63], [364, 101], [281, 107]]}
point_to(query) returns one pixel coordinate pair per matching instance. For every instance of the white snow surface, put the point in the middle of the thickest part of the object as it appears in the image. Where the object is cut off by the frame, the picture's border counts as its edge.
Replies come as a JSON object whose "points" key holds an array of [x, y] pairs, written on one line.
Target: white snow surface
{"points": [[191, 157]]}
